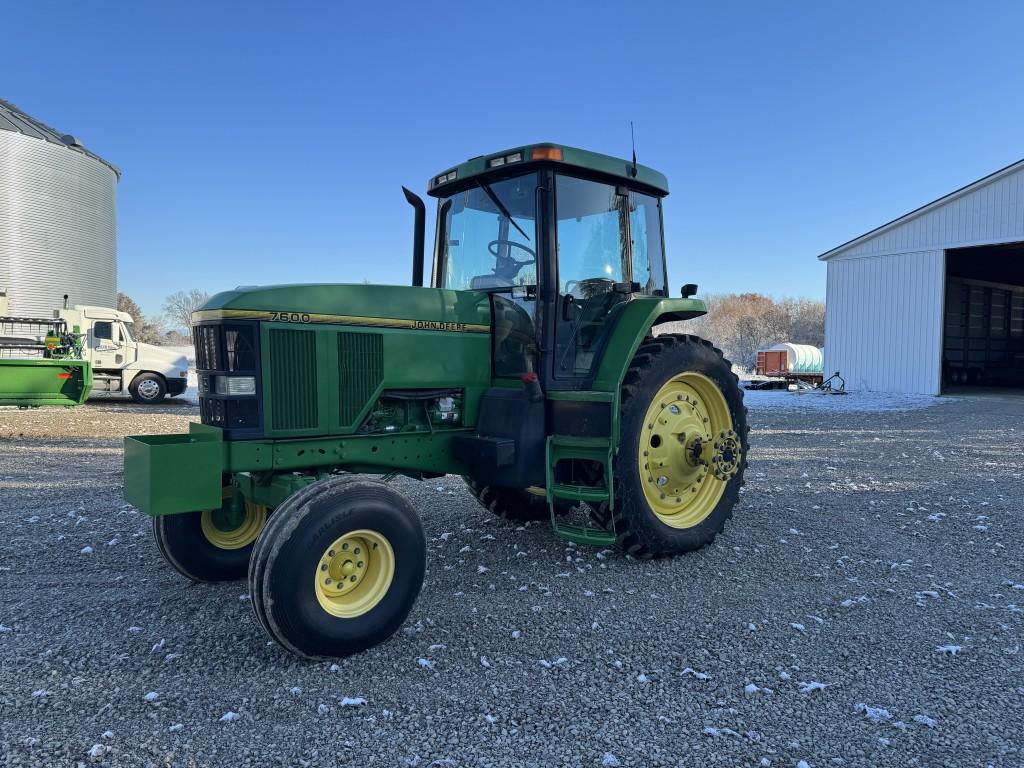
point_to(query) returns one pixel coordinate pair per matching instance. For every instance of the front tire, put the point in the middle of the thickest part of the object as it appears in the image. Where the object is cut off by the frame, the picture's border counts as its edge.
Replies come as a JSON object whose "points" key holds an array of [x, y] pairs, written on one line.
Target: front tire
{"points": [[148, 389], [683, 448], [199, 547], [339, 567]]}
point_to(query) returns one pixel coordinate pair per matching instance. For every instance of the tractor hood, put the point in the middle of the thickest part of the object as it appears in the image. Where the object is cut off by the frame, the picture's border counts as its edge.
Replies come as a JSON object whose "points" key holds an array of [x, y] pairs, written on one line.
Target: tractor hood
{"points": [[388, 306]]}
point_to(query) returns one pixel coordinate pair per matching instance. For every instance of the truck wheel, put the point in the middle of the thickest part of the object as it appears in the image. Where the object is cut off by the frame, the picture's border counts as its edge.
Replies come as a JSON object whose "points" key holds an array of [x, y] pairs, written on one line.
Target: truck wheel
{"points": [[514, 504], [148, 389], [202, 547], [683, 448], [338, 568]]}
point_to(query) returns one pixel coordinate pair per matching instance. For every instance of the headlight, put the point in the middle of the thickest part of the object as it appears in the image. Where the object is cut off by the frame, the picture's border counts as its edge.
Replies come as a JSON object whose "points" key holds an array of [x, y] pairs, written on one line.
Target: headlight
{"points": [[236, 385]]}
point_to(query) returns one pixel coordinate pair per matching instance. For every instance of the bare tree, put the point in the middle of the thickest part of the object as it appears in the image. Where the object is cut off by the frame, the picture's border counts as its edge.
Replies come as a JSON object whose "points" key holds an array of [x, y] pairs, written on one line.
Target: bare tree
{"points": [[743, 323], [179, 308], [147, 330]]}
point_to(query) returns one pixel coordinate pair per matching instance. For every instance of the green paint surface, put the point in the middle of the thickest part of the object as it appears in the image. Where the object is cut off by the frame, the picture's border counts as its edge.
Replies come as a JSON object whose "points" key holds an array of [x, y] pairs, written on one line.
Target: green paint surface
{"points": [[35, 382]]}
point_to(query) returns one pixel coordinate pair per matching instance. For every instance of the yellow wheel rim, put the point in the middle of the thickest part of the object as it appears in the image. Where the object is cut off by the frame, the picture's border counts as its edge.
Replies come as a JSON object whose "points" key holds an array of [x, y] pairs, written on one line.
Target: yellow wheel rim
{"points": [[687, 451], [354, 573], [235, 538]]}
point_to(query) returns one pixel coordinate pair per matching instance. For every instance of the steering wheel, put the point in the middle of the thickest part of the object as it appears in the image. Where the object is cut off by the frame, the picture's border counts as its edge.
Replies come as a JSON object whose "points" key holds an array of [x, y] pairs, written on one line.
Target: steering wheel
{"points": [[493, 248]]}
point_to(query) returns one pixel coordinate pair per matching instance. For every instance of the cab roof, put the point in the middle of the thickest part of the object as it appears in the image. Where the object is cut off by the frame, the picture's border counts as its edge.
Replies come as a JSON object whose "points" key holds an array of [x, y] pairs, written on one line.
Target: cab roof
{"points": [[558, 155]]}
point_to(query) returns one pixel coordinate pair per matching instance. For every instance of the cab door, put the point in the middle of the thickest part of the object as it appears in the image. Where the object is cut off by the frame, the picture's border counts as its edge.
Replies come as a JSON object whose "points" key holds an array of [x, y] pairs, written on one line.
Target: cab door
{"points": [[106, 344], [593, 270]]}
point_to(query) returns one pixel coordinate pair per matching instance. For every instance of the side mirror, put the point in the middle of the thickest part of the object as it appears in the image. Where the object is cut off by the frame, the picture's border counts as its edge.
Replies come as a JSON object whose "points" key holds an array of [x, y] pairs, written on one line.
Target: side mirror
{"points": [[689, 290]]}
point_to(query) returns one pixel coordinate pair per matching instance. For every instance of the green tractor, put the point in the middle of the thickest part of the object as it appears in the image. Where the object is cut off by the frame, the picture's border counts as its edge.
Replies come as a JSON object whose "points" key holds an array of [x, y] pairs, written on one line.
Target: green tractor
{"points": [[528, 367]]}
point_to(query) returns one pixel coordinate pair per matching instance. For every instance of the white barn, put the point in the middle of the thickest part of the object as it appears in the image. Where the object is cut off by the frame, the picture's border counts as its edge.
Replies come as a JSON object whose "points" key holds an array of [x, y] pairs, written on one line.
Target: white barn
{"points": [[934, 300]]}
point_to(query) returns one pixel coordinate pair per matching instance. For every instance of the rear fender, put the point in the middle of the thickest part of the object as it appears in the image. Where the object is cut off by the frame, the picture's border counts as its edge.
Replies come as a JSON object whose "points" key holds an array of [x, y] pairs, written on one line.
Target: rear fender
{"points": [[632, 327]]}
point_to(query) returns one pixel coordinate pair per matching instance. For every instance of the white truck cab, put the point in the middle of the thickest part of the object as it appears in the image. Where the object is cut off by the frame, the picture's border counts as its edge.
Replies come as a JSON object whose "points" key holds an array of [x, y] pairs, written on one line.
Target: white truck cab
{"points": [[122, 364]]}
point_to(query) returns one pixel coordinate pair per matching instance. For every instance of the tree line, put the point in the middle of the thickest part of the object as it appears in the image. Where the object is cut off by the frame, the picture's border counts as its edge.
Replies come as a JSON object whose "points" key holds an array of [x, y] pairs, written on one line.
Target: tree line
{"points": [[173, 326], [740, 324]]}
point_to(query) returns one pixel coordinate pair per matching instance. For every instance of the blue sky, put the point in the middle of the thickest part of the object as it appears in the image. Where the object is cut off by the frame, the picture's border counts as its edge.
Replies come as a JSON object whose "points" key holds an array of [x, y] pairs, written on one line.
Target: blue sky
{"points": [[265, 143]]}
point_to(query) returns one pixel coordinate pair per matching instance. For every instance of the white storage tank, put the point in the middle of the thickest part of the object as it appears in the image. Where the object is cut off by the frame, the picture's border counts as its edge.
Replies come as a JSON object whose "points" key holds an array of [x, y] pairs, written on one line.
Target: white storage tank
{"points": [[57, 219], [803, 358]]}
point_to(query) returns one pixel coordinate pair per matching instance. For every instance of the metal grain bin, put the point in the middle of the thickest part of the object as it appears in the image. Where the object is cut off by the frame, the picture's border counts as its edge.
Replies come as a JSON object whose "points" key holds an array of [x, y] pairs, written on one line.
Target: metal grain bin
{"points": [[57, 219]]}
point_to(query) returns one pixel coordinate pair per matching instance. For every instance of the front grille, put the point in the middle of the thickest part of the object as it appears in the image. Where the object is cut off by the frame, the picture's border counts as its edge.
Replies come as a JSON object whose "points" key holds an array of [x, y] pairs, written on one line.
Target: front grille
{"points": [[229, 349], [360, 372], [293, 385], [207, 347]]}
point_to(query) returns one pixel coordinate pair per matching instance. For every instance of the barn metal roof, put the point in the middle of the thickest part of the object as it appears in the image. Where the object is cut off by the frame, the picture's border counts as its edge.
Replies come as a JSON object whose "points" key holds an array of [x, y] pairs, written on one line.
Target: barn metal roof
{"points": [[17, 121], [1012, 168]]}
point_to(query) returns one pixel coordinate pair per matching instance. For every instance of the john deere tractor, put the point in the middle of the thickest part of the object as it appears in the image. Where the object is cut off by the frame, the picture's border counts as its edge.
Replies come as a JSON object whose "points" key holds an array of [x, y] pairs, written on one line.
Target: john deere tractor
{"points": [[528, 366]]}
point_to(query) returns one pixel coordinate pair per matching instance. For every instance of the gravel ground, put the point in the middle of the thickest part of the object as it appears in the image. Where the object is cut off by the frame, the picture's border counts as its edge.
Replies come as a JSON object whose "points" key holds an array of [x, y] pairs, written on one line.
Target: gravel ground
{"points": [[864, 608]]}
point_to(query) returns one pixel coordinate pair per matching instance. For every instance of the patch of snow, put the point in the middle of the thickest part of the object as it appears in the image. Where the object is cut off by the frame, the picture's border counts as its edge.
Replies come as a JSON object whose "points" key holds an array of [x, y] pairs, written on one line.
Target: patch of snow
{"points": [[812, 686], [97, 751], [151, 696], [874, 714], [176, 728], [556, 663], [230, 717], [425, 663], [357, 701], [490, 719], [858, 402], [610, 760], [798, 626], [86, 550], [949, 650], [925, 720], [695, 674]]}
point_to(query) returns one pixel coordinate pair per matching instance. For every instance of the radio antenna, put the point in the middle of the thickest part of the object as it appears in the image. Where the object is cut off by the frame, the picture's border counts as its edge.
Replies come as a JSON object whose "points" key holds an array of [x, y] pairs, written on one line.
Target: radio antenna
{"points": [[632, 140]]}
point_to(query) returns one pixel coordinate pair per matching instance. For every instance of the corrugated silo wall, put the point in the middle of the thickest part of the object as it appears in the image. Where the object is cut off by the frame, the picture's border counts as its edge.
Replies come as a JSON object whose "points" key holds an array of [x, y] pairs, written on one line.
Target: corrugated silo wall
{"points": [[57, 227]]}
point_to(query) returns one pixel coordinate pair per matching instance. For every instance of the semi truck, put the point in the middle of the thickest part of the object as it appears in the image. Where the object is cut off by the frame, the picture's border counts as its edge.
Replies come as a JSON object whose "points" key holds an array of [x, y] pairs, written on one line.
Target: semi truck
{"points": [[118, 361]]}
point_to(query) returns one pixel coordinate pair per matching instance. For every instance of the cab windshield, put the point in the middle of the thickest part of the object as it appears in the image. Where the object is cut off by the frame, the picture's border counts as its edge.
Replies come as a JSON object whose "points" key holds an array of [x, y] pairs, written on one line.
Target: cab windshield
{"points": [[487, 236]]}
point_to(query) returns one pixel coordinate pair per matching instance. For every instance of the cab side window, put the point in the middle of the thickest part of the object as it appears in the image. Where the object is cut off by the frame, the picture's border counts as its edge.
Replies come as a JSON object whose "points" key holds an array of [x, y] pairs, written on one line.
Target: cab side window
{"points": [[103, 330], [591, 237], [645, 233]]}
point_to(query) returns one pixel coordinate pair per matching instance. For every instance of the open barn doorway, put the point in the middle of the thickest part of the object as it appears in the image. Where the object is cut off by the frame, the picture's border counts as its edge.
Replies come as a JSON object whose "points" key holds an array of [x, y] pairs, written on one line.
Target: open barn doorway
{"points": [[983, 328]]}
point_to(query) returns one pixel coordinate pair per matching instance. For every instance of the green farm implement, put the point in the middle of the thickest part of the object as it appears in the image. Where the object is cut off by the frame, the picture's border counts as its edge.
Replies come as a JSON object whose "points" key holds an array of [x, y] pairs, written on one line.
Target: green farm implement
{"points": [[528, 366], [41, 363]]}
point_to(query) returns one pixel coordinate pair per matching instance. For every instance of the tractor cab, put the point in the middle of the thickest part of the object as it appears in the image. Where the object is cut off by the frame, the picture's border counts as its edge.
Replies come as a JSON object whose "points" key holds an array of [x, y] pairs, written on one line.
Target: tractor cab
{"points": [[560, 239]]}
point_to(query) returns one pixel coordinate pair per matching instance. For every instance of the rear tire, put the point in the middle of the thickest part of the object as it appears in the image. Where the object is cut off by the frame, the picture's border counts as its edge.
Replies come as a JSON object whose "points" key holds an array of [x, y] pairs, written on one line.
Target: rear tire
{"points": [[196, 549], [148, 389], [647, 520], [319, 539], [514, 504]]}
